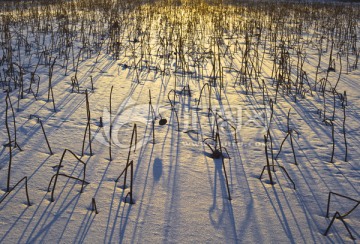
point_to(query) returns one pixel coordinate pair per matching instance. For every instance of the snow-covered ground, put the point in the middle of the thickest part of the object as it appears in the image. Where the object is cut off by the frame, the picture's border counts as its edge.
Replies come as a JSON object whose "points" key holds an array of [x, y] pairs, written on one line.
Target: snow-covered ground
{"points": [[180, 191]]}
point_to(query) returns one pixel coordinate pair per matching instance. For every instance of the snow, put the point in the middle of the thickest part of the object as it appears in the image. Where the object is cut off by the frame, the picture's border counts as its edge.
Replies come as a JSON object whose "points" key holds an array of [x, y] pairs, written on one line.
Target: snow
{"points": [[180, 191]]}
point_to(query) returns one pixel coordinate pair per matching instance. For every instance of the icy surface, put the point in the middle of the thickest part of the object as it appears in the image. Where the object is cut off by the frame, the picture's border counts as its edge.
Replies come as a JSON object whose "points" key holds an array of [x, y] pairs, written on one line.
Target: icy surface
{"points": [[179, 190]]}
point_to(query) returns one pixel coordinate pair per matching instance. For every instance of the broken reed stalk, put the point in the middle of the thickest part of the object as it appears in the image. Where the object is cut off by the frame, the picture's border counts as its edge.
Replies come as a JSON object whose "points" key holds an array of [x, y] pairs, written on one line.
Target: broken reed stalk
{"points": [[21, 85], [277, 89], [18, 101], [75, 83], [93, 206], [16, 145], [186, 90], [340, 72], [68, 176], [227, 122], [337, 215], [153, 116], [268, 167], [173, 109], [217, 138], [34, 81], [268, 134], [288, 134], [263, 91], [346, 197], [318, 65], [50, 90], [292, 148], [216, 126], [43, 130], [46, 139], [267, 162], [344, 131], [133, 134], [324, 97], [8, 101], [92, 83], [110, 121], [87, 125], [77, 63], [333, 140], [131, 165], [177, 119], [171, 103], [334, 109], [209, 91], [10, 146], [26, 190]]}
